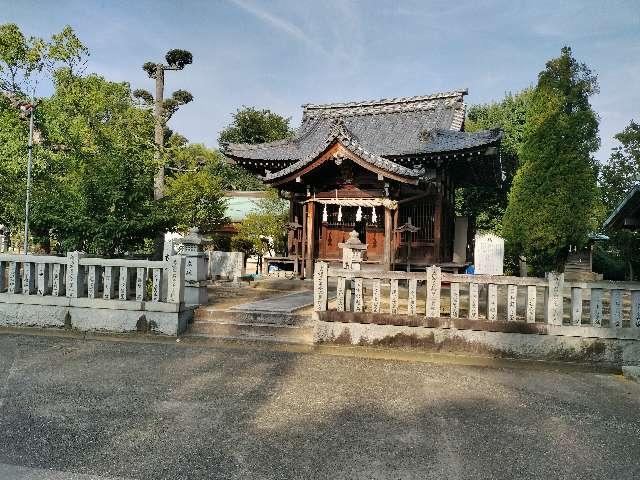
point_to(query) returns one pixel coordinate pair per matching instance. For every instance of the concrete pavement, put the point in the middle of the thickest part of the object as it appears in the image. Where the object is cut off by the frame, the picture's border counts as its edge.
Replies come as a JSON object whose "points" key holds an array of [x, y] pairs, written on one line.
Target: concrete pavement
{"points": [[104, 409]]}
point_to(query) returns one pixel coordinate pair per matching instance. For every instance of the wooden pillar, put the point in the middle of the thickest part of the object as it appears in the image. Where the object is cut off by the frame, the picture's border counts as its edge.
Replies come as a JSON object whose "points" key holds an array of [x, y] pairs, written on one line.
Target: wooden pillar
{"points": [[303, 241], [388, 235], [437, 224], [395, 240], [311, 210]]}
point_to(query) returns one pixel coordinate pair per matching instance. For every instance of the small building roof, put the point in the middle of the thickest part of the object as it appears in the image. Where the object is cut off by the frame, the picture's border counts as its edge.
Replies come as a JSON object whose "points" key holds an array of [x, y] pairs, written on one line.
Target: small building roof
{"points": [[240, 203], [627, 214], [377, 131]]}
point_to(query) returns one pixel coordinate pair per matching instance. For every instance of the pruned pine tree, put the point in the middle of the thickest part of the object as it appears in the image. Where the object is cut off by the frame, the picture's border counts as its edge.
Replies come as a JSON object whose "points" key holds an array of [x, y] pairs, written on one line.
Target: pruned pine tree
{"points": [[164, 108]]}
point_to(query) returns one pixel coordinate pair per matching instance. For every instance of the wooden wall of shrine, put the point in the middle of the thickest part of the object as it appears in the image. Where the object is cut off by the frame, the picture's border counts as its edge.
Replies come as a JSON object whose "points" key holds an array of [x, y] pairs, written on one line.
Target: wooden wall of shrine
{"points": [[430, 208]]}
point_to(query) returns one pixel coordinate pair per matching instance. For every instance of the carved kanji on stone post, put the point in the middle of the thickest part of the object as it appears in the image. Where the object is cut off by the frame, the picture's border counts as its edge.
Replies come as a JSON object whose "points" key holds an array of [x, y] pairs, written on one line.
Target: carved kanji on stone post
{"points": [[195, 273]]}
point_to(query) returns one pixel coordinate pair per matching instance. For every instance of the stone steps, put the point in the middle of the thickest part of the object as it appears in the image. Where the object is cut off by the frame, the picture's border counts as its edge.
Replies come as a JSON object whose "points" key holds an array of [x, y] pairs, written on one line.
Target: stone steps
{"points": [[270, 318], [235, 330]]}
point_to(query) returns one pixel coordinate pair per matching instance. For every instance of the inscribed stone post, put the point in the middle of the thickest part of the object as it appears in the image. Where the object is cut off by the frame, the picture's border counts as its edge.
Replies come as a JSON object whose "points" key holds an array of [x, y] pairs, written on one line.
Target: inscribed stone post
{"points": [[43, 279], [28, 278], [320, 286], [75, 275], [15, 281], [195, 273], [58, 280]]}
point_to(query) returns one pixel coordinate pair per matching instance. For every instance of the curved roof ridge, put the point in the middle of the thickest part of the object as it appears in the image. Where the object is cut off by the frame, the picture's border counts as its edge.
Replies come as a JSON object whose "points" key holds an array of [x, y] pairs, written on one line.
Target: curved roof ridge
{"points": [[348, 141], [385, 101]]}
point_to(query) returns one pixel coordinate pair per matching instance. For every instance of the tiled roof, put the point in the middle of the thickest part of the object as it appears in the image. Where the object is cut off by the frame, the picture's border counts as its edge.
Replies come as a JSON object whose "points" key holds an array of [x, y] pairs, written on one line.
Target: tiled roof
{"points": [[377, 129], [340, 132], [629, 207]]}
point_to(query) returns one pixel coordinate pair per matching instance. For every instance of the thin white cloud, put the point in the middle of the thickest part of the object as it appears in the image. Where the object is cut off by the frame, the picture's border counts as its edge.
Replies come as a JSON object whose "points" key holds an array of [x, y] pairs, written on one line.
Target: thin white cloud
{"points": [[278, 23]]}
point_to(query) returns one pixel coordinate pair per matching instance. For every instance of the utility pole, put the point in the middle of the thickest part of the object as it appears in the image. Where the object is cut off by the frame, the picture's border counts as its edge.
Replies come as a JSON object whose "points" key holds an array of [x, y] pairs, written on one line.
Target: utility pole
{"points": [[29, 168]]}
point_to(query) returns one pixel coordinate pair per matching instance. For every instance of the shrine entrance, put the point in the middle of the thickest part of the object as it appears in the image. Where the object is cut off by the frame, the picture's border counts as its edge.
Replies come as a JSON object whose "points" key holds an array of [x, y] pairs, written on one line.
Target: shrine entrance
{"points": [[335, 222]]}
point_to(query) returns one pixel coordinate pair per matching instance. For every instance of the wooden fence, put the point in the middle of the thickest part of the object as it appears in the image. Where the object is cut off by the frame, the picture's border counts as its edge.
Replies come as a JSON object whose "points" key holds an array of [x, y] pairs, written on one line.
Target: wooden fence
{"points": [[614, 306]]}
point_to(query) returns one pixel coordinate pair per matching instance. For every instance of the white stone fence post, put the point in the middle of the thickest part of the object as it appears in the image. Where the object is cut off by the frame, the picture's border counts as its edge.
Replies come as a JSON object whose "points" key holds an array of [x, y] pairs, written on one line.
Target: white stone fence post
{"points": [[502, 309], [78, 276]]}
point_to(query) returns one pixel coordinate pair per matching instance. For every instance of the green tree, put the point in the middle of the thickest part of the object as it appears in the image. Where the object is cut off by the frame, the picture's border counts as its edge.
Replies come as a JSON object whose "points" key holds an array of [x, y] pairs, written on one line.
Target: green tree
{"points": [[622, 170], [196, 200], [23, 59], [93, 174], [267, 222], [23, 63], [14, 133], [554, 200], [485, 205], [251, 125]]}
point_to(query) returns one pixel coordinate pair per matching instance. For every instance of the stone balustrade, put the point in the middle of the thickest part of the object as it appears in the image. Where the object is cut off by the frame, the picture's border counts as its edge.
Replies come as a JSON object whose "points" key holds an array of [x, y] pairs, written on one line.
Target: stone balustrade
{"points": [[80, 282], [548, 306]]}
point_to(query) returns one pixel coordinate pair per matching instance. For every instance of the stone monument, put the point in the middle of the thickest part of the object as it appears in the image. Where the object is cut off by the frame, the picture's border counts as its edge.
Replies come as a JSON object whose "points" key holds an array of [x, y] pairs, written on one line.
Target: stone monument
{"points": [[195, 272], [488, 255]]}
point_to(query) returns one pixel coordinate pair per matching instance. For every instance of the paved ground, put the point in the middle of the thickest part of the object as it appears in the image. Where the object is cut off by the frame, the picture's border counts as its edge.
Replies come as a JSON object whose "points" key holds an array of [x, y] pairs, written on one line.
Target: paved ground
{"points": [[282, 303], [85, 410]]}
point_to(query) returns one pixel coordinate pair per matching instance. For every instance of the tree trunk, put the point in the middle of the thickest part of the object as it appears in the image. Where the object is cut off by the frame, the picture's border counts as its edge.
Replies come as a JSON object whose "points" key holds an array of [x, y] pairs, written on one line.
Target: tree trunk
{"points": [[158, 181], [158, 190]]}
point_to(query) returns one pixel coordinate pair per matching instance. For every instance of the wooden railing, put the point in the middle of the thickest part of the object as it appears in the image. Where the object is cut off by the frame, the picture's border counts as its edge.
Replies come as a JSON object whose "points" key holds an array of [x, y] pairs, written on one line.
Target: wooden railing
{"points": [[77, 276], [620, 299]]}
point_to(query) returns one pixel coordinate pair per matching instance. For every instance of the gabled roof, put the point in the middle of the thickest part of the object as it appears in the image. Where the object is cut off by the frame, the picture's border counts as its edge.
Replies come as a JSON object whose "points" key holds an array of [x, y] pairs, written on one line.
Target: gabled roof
{"points": [[375, 130], [627, 214], [340, 134]]}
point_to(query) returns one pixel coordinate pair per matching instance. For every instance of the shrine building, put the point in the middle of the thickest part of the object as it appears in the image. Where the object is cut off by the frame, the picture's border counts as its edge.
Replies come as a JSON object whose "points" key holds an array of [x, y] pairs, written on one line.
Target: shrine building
{"points": [[376, 167]]}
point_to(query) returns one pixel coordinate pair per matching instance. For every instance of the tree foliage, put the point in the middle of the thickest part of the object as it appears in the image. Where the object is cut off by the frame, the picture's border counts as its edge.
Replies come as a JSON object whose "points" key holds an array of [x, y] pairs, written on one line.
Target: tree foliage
{"points": [[622, 171], [178, 59], [23, 58], [251, 125], [620, 257], [93, 169], [196, 200], [485, 205], [95, 194], [554, 201], [266, 223]]}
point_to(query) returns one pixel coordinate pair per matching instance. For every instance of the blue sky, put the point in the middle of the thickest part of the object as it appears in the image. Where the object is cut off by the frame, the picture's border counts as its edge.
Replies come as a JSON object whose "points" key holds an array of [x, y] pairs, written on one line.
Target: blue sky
{"points": [[283, 53]]}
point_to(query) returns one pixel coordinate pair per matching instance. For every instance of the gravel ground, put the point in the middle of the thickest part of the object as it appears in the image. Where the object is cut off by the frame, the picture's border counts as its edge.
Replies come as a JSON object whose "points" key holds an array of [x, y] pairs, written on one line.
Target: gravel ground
{"points": [[104, 409]]}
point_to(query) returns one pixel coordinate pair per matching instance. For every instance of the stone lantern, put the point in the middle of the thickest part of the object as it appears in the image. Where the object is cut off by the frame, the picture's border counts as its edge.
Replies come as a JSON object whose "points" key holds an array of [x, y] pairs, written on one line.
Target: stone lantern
{"points": [[352, 251], [195, 272]]}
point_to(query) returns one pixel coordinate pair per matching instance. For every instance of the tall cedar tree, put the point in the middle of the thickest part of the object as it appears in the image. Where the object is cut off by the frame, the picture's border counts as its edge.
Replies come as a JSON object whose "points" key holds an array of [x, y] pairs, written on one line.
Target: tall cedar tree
{"points": [[554, 199]]}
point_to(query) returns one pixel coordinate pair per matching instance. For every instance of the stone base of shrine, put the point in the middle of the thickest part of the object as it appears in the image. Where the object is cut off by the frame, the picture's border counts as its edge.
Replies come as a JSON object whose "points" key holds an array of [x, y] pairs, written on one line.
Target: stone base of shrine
{"points": [[94, 315], [605, 352]]}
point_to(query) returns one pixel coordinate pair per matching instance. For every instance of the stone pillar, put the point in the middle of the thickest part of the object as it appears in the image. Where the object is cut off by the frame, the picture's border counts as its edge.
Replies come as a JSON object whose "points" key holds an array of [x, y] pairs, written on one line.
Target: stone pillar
{"points": [[76, 286], [4, 239], [195, 270]]}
